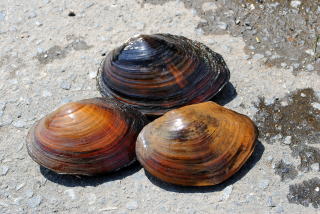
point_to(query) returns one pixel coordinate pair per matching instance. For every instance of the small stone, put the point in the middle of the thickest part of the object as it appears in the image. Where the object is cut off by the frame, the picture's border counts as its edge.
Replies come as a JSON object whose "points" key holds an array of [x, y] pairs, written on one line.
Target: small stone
{"points": [[199, 31], [5, 120], [237, 21], [279, 209], [2, 108], [92, 74], [270, 202], [283, 64], [20, 186], [246, 57], [132, 205], [19, 124], [226, 193], [303, 95], [46, 93], [34, 201], [316, 105], [40, 50], [270, 159], [211, 42], [29, 193], [295, 4], [258, 56], [296, 65], [38, 23], [88, 5], [268, 53], [2, 16], [263, 184], [310, 67], [70, 193], [222, 25], [4, 170], [287, 140], [227, 48], [315, 167], [310, 52], [65, 85], [32, 15]]}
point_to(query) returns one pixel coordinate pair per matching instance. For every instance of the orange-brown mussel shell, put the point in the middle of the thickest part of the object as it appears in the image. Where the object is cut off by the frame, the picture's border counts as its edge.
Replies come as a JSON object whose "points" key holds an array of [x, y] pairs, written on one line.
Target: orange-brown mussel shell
{"points": [[86, 137], [196, 145], [160, 72]]}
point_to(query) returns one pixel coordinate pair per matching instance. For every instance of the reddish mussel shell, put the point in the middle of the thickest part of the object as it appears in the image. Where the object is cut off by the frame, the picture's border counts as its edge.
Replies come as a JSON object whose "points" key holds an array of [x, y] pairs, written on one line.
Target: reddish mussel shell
{"points": [[86, 137], [196, 145], [159, 72]]}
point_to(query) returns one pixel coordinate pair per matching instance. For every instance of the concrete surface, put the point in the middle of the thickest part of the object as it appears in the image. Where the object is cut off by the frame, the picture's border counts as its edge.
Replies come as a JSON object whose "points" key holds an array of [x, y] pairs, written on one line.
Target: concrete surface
{"points": [[48, 58]]}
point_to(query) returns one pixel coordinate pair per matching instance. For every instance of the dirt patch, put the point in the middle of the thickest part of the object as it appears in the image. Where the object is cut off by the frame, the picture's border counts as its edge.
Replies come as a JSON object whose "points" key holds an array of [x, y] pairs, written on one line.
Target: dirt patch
{"points": [[57, 52], [286, 35], [293, 121], [305, 193]]}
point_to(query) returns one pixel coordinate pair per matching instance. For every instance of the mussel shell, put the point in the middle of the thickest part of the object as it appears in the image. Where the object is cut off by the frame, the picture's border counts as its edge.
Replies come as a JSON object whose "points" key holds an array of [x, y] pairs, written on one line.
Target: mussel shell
{"points": [[86, 137], [196, 145], [159, 72]]}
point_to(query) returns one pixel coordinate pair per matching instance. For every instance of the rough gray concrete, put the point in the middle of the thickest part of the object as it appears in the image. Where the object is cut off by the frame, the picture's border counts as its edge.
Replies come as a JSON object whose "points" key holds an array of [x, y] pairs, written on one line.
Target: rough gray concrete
{"points": [[50, 52]]}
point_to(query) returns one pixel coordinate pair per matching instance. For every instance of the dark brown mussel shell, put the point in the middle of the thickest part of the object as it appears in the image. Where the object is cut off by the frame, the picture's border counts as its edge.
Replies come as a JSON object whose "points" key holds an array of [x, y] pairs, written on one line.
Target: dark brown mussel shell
{"points": [[86, 137], [196, 145], [159, 72]]}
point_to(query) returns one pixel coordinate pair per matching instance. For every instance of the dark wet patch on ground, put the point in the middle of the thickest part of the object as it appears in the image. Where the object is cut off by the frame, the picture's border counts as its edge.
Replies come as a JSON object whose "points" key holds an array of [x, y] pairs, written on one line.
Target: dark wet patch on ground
{"points": [[293, 121], [285, 171], [57, 52], [305, 193], [286, 36]]}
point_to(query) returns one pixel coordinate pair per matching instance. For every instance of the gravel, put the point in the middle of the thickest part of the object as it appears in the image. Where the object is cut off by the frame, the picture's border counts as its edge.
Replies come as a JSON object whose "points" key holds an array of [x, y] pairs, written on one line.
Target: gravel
{"points": [[132, 205]]}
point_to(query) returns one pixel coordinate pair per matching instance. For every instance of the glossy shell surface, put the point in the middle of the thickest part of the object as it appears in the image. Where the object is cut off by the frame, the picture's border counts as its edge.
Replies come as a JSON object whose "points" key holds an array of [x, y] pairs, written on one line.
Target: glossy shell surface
{"points": [[196, 145], [86, 137], [159, 72]]}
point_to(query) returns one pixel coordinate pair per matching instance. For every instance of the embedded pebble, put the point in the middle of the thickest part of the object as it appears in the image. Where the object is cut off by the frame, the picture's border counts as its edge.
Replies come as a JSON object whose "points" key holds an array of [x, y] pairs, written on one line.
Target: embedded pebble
{"points": [[258, 56], [270, 202], [38, 23], [310, 67], [20, 186], [34, 201], [92, 74], [316, 105], [65, 85], [310, 52], [4, 170], [295, 3], [222, 25], [263, 184], [2, 108], [2, 16], [315, 167], [226, 193], [46, 93], [71, 194], [29, 193], [287, 140], [32, 15], [19, 124], [132, 205]]}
